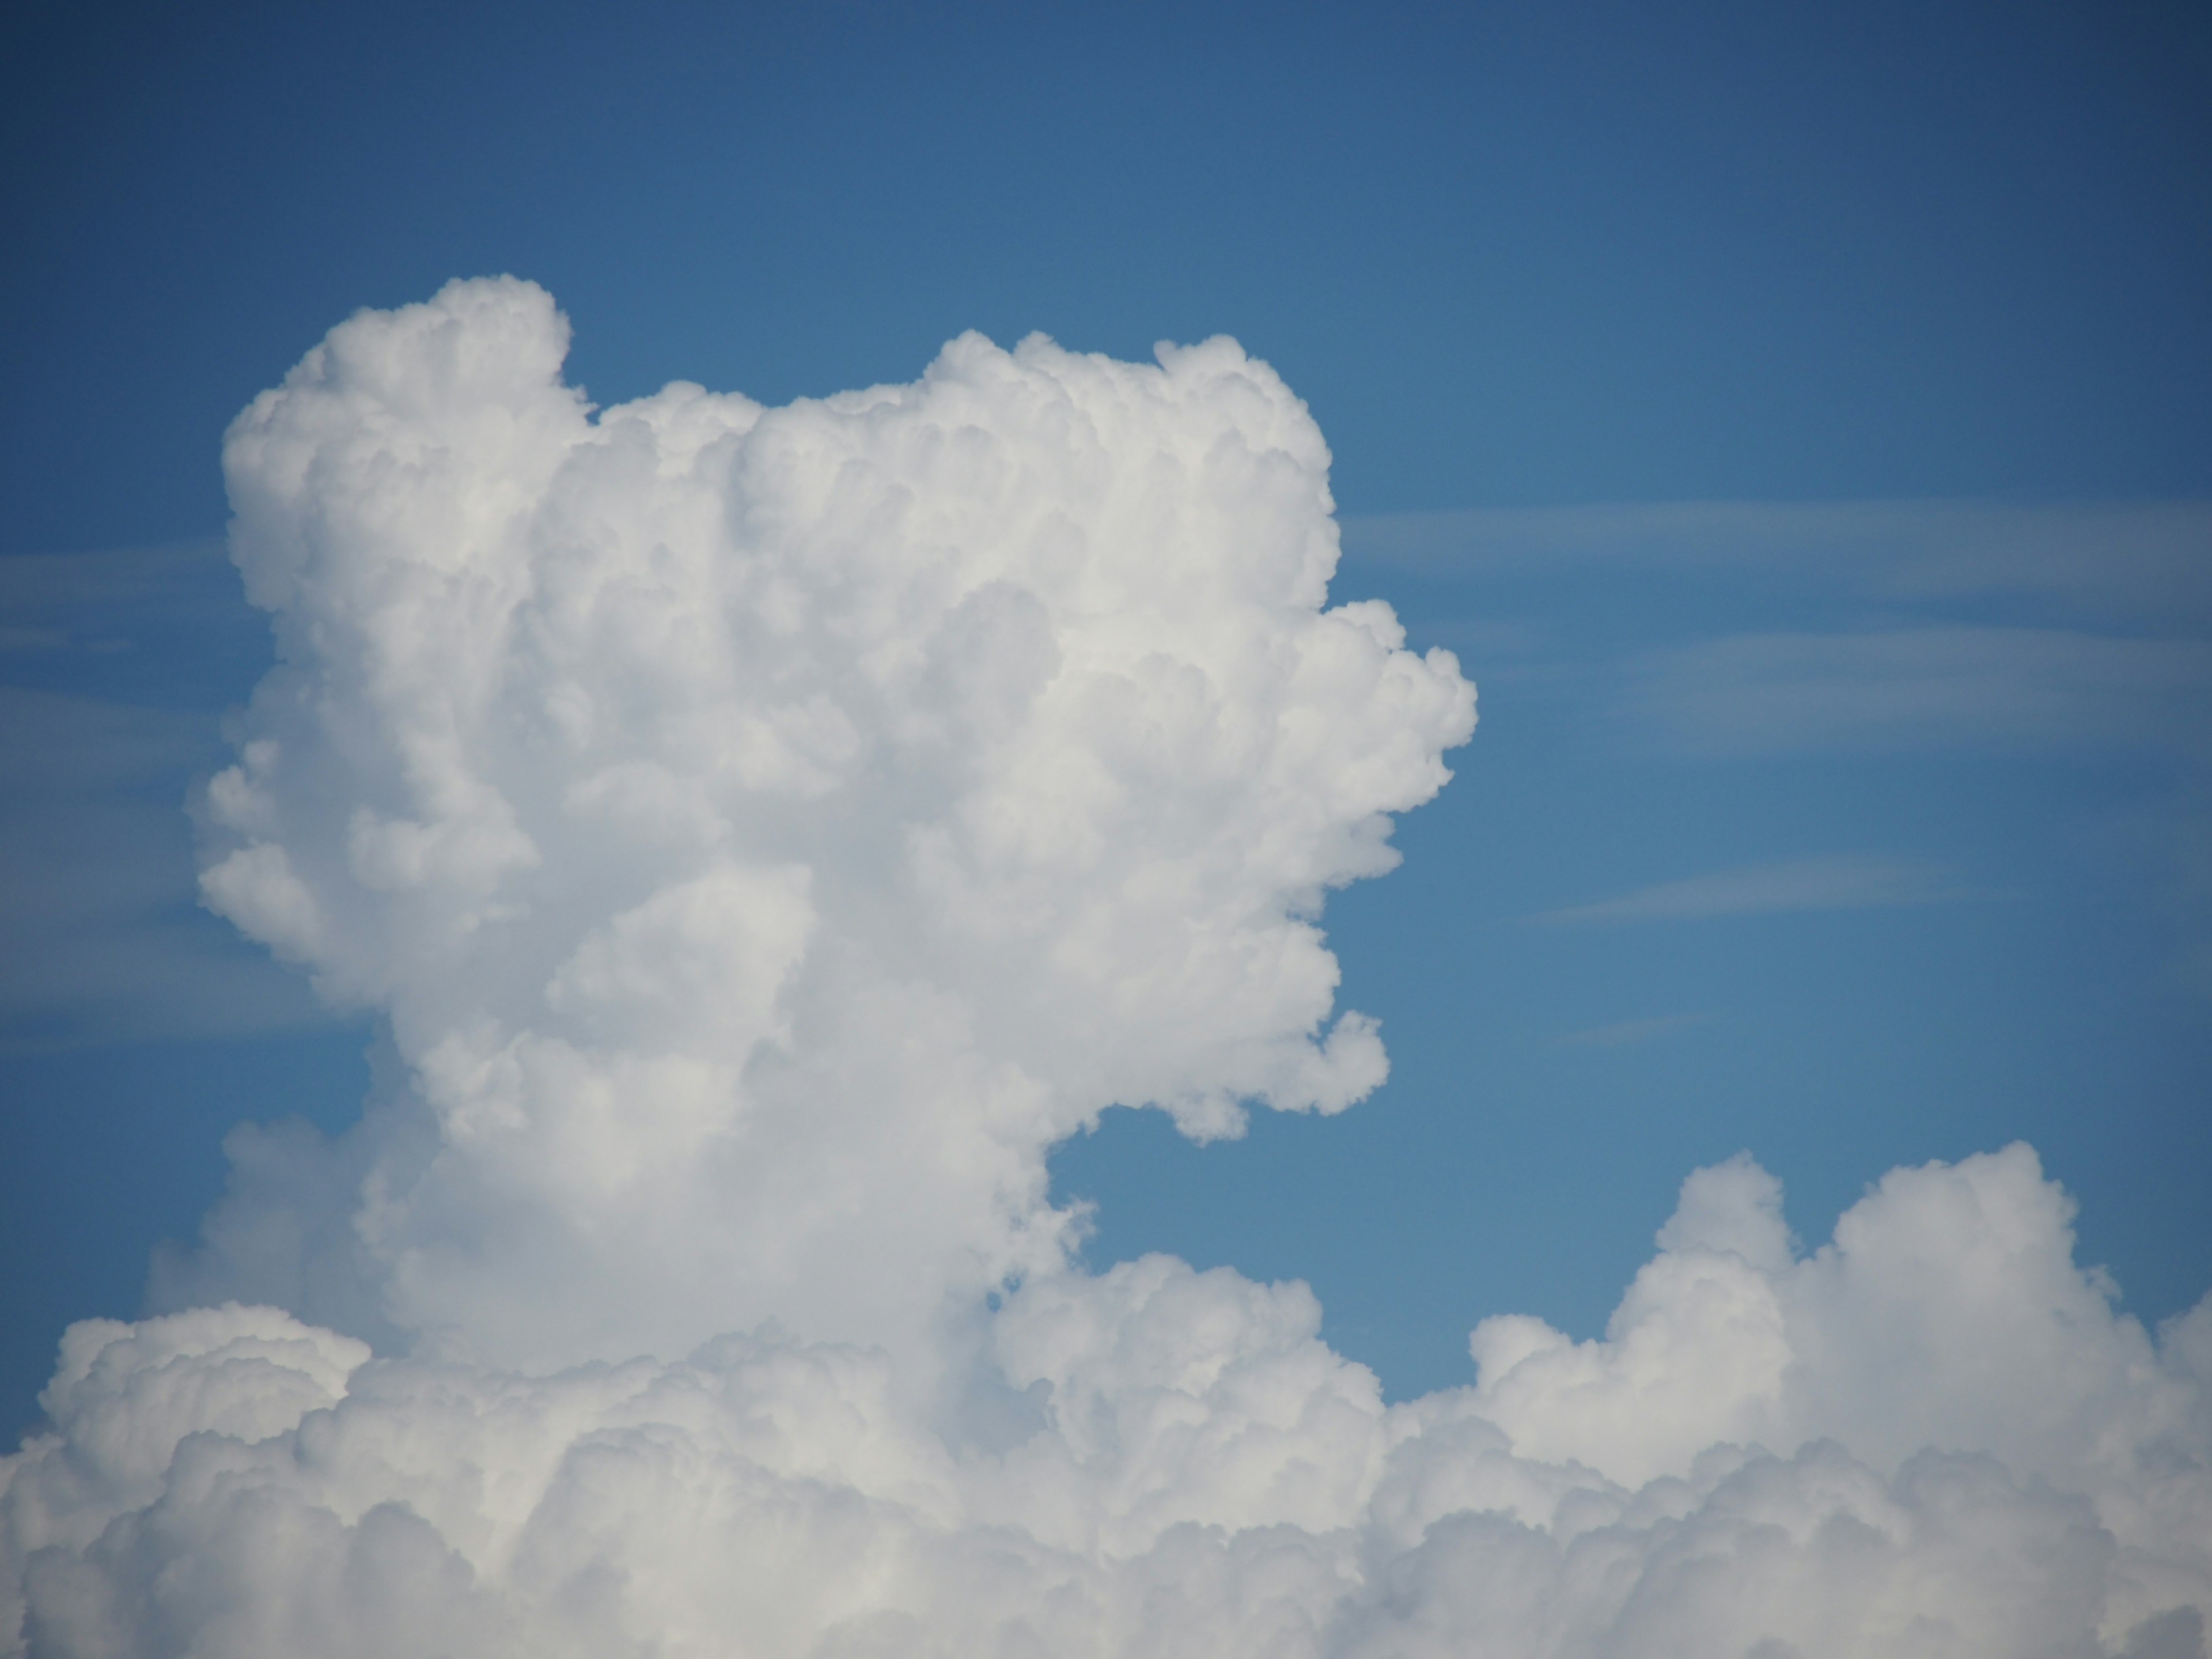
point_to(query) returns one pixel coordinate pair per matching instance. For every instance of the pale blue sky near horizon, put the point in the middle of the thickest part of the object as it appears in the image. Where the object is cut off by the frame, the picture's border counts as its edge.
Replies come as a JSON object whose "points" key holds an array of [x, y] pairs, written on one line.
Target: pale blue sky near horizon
{"points": [[1800, 425]]}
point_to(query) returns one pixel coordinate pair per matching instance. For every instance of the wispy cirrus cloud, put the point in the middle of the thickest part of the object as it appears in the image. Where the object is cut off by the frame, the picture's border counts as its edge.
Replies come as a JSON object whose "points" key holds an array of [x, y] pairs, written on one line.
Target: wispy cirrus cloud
{"points": [[1841, 881], [106, 940], [1765, 628], [1732, 633], [1924, 688], [2113, 560], [112, 598]]}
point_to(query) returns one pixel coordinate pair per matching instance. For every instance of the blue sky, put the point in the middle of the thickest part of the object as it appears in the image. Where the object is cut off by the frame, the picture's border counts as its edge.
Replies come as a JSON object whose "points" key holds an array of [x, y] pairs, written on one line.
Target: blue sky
{"points": [[1801, 427]]}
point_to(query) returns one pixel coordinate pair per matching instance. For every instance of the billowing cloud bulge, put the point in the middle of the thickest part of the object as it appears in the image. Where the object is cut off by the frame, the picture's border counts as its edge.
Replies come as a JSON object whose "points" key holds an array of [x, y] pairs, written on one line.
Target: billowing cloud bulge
{"points": [[765, 833]]}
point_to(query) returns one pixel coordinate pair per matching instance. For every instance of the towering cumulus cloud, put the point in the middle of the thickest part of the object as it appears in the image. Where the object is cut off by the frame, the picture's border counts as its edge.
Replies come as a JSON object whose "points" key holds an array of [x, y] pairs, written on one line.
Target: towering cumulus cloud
{"points": [[763, 834], [769, 831]]}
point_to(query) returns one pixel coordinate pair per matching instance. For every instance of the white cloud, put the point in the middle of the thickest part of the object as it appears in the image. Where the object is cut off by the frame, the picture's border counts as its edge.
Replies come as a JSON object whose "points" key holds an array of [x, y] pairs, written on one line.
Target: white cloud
{"points": [[1934, 1435], [765, 832], [1836, 881]]}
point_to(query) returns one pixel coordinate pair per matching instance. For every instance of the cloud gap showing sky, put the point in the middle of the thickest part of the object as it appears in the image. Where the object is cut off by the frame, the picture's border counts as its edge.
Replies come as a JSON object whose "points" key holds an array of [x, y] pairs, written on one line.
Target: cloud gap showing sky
{"points": [[763, 834]]}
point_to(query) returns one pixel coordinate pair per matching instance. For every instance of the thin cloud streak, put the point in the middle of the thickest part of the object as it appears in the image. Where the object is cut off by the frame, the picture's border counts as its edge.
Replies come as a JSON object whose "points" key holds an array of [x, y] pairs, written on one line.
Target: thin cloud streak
{"points": [[1744, 632], [97, 894], [2065, 625], [1924, 688], [98, 601], [99, 898], [2146, 561], [1842, 881]]}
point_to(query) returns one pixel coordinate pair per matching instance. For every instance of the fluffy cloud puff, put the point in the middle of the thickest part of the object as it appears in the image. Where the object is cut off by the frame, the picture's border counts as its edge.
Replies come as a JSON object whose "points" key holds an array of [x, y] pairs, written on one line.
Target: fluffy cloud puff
{"points": [[764, 833]]}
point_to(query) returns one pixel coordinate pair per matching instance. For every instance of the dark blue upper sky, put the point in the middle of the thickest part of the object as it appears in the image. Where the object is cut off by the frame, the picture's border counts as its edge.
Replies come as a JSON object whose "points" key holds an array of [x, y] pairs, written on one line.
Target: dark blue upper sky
{"points": [[1516, 256], [1511, 254]]}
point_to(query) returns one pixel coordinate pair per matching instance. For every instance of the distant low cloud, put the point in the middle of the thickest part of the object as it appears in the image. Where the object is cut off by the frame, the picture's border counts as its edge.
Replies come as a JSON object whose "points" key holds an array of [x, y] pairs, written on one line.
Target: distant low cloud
{"points": [[106, 941], [2055, 625], [1735, 633], [1925, 688], [146, 602], [2144, 560], [1838, 882]]}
